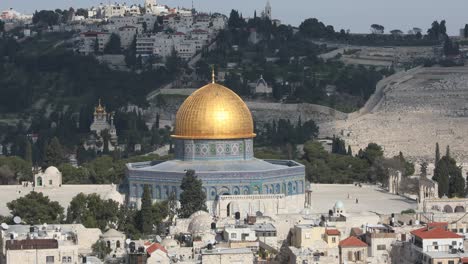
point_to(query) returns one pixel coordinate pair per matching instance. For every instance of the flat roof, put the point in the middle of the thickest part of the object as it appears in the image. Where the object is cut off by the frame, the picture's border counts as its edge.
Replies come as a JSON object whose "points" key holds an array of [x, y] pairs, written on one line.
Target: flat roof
{"points": [[221, 251]]}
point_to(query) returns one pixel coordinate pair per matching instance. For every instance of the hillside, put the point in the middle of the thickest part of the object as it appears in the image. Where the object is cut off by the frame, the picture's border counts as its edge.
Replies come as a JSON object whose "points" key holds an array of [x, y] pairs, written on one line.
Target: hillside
{"points": [[410, 112]]}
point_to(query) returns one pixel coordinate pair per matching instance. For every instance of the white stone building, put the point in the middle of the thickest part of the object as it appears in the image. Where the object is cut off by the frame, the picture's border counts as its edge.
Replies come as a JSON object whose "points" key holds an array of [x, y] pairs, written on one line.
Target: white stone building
{"points": [[51, 178], [115, 241]]}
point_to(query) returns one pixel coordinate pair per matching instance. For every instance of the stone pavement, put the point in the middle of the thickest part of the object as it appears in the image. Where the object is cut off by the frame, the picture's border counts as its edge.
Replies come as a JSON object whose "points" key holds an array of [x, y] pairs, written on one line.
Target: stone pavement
{"points": [[370, 199]]}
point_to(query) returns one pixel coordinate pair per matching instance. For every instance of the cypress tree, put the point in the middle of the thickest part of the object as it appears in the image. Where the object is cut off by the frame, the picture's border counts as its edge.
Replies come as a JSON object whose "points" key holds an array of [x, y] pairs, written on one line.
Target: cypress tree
{"points": [[54, 153], [350, 152], [447, 153], [192, 198], [146, 217], [28, 152], [437, 153]]}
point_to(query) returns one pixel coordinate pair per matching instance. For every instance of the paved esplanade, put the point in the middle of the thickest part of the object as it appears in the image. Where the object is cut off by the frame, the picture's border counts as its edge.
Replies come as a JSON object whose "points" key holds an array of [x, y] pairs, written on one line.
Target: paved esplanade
{"points": [[370, 199]]}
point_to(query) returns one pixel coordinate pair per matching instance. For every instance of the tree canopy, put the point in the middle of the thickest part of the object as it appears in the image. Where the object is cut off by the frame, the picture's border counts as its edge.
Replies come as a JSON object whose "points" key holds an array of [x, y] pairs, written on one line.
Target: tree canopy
{"points": [[35, 208], [192, 199], [92, 211]]}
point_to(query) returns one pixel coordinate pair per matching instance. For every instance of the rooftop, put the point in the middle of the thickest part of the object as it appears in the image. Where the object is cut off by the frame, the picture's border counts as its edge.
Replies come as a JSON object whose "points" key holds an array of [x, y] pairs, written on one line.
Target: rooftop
{"points": [[31, 244], [434, 233], [352, 242], [333, 232], [221, 251]]}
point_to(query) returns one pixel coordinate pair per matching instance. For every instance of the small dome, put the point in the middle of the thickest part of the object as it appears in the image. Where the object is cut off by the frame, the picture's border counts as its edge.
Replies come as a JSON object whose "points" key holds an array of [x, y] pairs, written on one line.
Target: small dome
{"points": [[213, 112], [200, 223], [112, 233], [339, 205], [169, 242], [52, 171]]}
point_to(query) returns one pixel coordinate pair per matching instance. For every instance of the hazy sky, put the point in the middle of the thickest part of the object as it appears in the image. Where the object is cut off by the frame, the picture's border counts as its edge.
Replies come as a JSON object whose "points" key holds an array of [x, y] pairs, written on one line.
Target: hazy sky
{"points": [[355, 15]]}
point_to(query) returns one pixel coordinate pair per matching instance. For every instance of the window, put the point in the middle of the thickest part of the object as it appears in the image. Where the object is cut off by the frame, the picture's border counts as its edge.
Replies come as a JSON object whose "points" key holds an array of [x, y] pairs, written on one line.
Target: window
{"points": [[460, 230], [118, 244], [307, 235], [50, 259], [50, 182], [233, 235], [358, 255], [64, 259], [454, 243], [333, 239], [439, 262], [451, 262], [381, 247]]}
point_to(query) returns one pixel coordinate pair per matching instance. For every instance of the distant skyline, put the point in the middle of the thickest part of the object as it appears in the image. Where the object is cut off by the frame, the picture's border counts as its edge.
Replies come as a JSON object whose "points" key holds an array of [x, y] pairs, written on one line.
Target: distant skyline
{"points": [[356, 15]]}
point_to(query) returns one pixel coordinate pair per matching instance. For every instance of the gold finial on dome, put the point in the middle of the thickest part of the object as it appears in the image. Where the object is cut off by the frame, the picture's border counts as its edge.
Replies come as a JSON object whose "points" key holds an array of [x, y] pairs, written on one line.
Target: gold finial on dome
{"points": [[212, 74], [99, 109]]}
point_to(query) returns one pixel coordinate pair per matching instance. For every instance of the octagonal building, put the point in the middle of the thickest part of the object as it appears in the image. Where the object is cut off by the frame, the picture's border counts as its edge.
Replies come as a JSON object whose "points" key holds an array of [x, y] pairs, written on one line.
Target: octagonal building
{"points": [[214, 135]]}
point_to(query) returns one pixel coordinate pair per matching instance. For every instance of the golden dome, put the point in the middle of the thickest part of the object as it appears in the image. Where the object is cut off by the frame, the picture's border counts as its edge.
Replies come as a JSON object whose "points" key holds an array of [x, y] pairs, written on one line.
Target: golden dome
{"points": [[213, 112], [99, 109]]}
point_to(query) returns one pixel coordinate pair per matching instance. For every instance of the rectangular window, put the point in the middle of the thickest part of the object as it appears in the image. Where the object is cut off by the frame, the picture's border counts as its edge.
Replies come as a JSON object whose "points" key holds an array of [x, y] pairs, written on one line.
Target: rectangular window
{"points": [[451, 262], [50, 182], [381, 247], [333, 239], [50, 259], [233, 235], [454, 243]]}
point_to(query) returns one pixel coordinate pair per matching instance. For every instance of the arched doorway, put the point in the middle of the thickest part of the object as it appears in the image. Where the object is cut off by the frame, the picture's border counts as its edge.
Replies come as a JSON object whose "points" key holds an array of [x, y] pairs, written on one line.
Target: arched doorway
{"points": [[448, 209], [459, 209], [39, 181], [232, 208]]}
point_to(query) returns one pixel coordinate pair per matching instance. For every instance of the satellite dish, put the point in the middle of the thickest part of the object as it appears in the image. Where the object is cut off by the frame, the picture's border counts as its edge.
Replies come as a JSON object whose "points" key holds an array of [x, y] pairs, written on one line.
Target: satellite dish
{"points": [[218, 238], [17, 220], [44, 225], [127, 241], [158, 239], [4, 226]]}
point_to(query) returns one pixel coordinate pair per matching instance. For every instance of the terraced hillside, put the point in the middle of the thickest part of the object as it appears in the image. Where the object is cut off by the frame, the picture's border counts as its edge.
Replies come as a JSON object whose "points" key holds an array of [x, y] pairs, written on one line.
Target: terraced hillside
{"points": [[410, 112]]}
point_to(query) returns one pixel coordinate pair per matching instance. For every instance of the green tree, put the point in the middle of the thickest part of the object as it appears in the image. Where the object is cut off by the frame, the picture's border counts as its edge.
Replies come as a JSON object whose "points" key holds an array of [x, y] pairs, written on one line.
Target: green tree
{"points": [[114, 45], [437, 153], [465, 31], [146, 214], [54, 155], [28, 152], [92, 211], [350, 152], [35, 208], [192, 198], [449, 177], [100, 249], [2, 26], [372, 152]]}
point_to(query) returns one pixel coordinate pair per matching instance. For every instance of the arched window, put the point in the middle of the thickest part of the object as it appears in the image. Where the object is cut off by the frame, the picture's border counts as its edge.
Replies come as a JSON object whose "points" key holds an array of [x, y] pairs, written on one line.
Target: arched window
{"points": [[108, 244], [64, 259], [39, 181], [117, 245], [69, 259]]}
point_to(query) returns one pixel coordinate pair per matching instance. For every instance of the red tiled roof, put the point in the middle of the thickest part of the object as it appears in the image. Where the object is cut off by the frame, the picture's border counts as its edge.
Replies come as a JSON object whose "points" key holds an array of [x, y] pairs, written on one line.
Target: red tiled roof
{"points": [[333, 232], [356, 231], [154, 247], [434, 233], [464, 260], [352, 242]]}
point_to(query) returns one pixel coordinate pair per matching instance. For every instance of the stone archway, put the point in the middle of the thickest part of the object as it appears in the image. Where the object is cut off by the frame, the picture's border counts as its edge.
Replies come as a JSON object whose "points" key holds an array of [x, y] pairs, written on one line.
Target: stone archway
{"points": [[459, 209], [448, 209], [232, 208]]}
